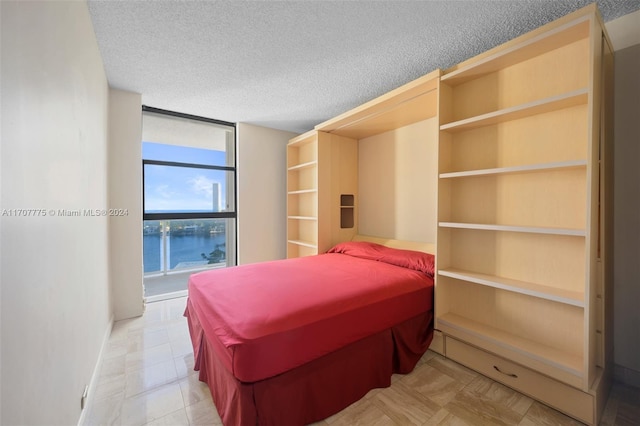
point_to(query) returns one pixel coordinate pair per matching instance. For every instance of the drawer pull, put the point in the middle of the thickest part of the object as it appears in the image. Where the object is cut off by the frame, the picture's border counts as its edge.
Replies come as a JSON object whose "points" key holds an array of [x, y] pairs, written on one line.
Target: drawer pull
{"points": [[495, 367]]}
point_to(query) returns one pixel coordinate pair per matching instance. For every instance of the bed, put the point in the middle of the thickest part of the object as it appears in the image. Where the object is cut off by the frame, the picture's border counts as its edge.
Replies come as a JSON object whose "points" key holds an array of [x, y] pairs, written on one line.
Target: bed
{"points": [[293, 341]]}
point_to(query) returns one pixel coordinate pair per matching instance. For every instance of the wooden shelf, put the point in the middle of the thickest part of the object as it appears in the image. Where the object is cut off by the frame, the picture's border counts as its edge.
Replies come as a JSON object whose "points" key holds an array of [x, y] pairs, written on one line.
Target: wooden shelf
{"points": [[556, 363], [303, 139], [303, 166], [567, 297], [540, 106], [510, 228], [517, 169], [302, 217], [302, 191], [516, 52], [303, 243]]}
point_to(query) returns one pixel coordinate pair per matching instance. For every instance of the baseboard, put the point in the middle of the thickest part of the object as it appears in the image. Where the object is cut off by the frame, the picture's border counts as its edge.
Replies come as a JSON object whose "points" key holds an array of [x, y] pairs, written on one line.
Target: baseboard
{"points": [[626, 375], [96, 374]]}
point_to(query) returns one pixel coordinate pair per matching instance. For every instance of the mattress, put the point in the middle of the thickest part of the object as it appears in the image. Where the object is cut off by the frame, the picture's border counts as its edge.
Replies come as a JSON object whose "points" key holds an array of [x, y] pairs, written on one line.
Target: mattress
{"points": [[267, 318]]}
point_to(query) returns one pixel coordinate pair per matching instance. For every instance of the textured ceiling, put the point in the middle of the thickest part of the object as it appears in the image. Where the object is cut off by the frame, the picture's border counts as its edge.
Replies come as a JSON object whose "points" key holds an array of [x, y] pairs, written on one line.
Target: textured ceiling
{"points": [[293, 64]]}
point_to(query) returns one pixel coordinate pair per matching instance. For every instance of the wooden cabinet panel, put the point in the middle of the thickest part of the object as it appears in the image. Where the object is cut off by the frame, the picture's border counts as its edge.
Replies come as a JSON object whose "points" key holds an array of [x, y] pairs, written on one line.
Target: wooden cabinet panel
{"points": [[558, 395]]}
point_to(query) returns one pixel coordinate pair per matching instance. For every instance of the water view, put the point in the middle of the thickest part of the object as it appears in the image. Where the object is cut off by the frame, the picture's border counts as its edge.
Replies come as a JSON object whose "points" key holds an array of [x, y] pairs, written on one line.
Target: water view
{"points": [[189, 243]]}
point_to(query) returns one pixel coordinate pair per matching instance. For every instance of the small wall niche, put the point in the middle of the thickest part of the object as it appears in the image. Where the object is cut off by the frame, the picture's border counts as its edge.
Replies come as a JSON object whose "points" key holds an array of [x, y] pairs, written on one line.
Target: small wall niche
{"points": [[347, 200], [347, 214]]}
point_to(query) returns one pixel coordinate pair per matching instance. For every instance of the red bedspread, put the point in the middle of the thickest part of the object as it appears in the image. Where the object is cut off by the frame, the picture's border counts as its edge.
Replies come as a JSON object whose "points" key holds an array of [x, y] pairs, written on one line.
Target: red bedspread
{"points": [[264, 319]]}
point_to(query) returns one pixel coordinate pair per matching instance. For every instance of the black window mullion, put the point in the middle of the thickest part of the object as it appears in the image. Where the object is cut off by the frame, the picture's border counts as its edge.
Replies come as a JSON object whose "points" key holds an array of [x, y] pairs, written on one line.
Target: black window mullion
{"points": [[189, 215], [188, 165], [187, 116]]}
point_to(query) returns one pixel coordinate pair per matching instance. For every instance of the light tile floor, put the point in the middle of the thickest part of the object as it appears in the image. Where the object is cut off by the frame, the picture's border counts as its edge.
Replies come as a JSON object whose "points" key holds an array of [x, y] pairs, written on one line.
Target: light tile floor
{"points": [[158, 285], [147, 378]]}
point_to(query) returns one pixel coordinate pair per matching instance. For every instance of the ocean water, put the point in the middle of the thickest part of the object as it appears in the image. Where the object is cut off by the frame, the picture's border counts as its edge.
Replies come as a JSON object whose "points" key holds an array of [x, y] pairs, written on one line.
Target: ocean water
{"points": [[182, 248]]}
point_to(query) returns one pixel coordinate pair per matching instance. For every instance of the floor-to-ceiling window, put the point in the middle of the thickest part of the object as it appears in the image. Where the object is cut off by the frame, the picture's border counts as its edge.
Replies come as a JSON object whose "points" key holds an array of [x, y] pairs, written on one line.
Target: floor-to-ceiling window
{"points": [[189, 214]]}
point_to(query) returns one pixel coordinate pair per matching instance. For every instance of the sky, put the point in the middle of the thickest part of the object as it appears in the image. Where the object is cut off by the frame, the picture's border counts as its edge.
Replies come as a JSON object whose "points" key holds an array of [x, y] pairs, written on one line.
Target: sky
{"points": [[183, 189]]}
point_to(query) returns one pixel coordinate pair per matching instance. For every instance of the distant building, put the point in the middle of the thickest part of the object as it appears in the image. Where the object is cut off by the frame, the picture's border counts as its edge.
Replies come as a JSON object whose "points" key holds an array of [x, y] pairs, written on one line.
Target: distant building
{"points": [[216, 196]]}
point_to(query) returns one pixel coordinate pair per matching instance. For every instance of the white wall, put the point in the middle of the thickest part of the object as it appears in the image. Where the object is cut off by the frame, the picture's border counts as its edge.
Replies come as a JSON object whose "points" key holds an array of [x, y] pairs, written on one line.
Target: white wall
{"points": [[627, 215], [625, 31], [125, 196], [55, 272], [625, 37], [397, 183], [262, 175]]}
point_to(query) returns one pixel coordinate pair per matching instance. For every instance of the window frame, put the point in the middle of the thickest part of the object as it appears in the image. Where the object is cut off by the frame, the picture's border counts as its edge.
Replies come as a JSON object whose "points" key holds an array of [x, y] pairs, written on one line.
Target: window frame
{"points": [[232, 168]]}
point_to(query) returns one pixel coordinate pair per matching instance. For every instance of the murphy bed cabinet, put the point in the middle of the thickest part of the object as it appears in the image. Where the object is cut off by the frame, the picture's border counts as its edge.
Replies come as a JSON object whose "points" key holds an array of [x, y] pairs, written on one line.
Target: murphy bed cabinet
{"points": [[413, 102], [322, 165], [322, 184], [524, 222]]}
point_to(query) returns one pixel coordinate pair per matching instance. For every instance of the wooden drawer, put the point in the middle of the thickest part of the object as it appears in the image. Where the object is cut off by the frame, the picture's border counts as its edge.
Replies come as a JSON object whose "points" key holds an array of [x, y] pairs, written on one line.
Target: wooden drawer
{"points": [[567, 399]]}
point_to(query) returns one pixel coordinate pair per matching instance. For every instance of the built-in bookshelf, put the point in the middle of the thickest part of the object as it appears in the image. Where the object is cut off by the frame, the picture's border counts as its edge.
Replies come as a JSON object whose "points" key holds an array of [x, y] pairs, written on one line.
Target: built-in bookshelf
{"points": [[302, 190], [519, 239], [320, 167]]}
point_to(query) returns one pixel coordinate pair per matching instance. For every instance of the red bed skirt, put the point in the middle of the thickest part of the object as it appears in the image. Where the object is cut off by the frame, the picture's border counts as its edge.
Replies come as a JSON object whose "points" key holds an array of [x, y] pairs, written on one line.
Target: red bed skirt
{"points": [[317, 389]]}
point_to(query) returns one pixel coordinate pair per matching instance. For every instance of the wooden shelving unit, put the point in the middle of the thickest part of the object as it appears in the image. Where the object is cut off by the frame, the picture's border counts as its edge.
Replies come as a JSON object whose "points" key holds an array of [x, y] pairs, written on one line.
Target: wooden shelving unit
{"points": [[320, 167], [302, 190], [522, 168]]}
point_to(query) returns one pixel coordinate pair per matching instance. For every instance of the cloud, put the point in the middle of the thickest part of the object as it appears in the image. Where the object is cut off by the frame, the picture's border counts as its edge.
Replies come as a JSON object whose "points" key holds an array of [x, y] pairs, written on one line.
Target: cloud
{"points": [[202, 185], [164, 191]]}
